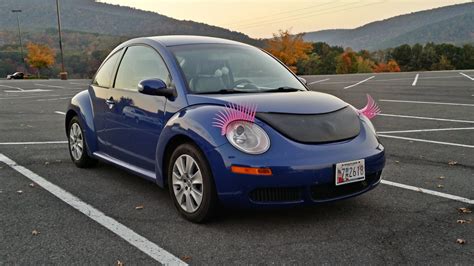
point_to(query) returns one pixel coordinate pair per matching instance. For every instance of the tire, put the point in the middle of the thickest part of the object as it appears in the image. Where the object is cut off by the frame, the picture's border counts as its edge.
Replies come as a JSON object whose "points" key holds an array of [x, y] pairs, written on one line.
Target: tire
{"points": [[185, 184], [78, 146]]}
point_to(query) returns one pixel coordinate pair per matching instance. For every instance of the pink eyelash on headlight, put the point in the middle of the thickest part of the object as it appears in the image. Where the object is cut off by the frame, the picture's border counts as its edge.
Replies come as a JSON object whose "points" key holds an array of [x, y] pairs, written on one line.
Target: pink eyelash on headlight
{"points": [[234, 112], [371, 109]]}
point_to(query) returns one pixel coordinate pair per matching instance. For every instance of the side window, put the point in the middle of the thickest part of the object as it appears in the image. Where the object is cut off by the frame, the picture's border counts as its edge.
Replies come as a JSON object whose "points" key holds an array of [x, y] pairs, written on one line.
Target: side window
{"points": [[139, 63], [104, 77]]}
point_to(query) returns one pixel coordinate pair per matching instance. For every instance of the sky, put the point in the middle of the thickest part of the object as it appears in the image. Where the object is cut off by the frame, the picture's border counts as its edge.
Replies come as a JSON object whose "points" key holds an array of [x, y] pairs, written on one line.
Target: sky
{"points": [[262, 18]]}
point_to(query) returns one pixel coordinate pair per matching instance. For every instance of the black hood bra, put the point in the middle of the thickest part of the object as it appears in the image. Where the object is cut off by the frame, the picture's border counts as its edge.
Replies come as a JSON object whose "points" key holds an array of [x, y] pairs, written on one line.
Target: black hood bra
{"points": [[335, 126]]}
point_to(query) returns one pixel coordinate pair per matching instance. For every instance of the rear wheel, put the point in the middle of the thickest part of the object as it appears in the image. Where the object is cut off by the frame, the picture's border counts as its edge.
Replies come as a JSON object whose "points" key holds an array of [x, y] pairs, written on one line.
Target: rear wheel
{"points": [[191, 184], [77, 145]]}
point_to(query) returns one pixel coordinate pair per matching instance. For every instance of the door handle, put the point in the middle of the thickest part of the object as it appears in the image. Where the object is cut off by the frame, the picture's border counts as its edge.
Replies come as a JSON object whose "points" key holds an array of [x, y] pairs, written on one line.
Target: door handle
{"points": [[110, 102]]}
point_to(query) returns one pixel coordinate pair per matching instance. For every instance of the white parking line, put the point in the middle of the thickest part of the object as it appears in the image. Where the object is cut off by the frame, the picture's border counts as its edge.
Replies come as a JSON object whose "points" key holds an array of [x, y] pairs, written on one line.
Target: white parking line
{"points": [[317, 81], [394, 79], [53, 99], [50, 86], [358, 83], [28, 97], [136, 240], [34, 142], [467, 76], [76, 83], [428, 118], [427, 141], [416, 80], [427, 191], [32, 90], [426, 130], [60, 113], [419, 102], [10, 87]]}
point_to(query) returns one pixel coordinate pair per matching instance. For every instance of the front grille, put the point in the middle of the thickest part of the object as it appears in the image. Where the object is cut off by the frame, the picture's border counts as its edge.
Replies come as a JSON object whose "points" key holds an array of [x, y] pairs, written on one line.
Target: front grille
{"points": [[276, 194], [331, 191]]}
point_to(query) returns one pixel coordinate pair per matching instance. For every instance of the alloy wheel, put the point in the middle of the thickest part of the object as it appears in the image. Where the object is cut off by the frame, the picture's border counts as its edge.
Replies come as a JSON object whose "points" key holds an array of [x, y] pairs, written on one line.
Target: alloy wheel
{"points": [[187, 183]]}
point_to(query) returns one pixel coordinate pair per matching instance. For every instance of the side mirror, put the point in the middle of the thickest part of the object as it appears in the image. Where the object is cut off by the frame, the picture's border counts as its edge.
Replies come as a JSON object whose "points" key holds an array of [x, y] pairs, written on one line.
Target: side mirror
{"points": [[156, 87], [303, 80]]}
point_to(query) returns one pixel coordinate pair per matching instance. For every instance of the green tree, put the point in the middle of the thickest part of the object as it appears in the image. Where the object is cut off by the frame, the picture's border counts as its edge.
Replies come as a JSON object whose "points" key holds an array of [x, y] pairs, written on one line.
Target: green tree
{"points": [[428, 57], [443, 64], [467, 61], [402, 54]]}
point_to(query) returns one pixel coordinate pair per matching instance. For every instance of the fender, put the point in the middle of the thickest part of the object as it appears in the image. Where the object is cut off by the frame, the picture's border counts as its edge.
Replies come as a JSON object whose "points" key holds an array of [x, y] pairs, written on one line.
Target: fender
{"points": [[82, 106], [194, 123]]}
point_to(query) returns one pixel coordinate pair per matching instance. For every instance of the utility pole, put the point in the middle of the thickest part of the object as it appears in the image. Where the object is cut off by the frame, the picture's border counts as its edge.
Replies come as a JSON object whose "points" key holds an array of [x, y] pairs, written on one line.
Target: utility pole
{"points": [[18, 11], [63, 73]]}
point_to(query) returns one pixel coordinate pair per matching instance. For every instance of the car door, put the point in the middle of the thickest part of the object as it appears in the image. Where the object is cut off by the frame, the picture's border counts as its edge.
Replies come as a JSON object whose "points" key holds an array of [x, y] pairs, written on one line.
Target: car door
{"points": [[136, 119], [99, 91]]}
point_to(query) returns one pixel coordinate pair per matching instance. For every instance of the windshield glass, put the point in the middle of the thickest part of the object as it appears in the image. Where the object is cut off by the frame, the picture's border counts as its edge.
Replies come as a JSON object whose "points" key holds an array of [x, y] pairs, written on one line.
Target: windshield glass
{"points": [[217, 68]]}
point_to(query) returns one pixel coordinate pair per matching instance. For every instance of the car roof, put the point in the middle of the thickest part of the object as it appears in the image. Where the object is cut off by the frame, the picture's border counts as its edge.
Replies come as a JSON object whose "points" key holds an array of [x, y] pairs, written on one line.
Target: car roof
{"points": [[174, 40]]}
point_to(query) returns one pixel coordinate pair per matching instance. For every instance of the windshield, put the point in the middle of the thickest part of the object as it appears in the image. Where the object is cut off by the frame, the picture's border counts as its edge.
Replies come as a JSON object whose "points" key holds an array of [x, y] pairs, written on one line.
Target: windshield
{"points": [[217, 68]]}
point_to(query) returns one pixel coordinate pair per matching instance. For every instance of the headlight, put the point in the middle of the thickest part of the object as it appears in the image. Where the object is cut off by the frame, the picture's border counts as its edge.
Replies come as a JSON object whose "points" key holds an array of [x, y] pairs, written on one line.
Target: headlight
{"points": [[248, 137], [368, 123]]}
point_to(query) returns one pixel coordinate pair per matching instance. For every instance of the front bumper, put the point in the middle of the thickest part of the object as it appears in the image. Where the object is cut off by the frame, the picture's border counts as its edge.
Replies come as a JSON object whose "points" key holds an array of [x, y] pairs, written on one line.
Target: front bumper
{"points": [[302, 174]]}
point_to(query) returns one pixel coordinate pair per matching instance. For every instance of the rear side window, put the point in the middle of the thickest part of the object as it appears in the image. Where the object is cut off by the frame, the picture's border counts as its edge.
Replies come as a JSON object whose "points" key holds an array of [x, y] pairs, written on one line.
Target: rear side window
{"points": [[104, 76], [139, 63]]}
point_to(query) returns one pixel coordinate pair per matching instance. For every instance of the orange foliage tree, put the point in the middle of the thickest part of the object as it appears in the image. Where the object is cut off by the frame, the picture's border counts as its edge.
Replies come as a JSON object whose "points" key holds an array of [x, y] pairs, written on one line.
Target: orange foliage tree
{"points": [[391, 66], [40, 56], [289, 48], [347, 62]]}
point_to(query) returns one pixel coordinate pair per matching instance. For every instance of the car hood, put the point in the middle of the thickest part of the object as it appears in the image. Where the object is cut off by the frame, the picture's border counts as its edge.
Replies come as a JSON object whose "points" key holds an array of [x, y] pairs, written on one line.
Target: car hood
{"points": [[299, 102]]}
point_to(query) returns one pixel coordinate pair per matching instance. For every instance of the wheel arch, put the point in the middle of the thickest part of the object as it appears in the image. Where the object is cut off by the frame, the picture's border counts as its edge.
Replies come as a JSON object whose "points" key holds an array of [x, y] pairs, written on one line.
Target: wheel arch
{"points": [[193, 125], [81, 107]]}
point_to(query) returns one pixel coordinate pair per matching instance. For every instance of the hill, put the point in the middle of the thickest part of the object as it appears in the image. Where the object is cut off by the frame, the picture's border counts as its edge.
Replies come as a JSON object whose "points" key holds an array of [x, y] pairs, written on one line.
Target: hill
{"points": [[94, 17], [451, 24]]}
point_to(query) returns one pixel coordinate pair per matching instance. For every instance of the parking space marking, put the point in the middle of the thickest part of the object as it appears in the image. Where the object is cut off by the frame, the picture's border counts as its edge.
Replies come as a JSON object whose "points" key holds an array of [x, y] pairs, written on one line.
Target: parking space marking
{"points": [[33, 90], [358, 83], [421, 102], [50, 86], [317, 81], [428, 191], [10, 87], [76, 83], [427, 141], [53, 99], [60, 113], [428, 118], [467, 76], [21, 90], [426, 130], [416, 80], [29, 97], [136, 240], [34, 142]]}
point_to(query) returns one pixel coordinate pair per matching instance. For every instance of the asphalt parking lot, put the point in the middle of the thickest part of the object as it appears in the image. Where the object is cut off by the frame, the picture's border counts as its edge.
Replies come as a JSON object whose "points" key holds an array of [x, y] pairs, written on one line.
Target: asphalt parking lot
{"points": [[414, 217]]}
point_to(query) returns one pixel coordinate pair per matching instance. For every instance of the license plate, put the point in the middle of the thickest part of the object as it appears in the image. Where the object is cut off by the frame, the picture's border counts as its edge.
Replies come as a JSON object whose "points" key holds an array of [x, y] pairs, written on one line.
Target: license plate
{"points": [[350, 172]]}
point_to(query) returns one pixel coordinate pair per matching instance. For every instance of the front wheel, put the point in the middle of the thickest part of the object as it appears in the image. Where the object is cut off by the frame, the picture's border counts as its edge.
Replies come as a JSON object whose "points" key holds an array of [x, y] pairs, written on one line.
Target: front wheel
{"points": [[78, 146], [191, 184]]}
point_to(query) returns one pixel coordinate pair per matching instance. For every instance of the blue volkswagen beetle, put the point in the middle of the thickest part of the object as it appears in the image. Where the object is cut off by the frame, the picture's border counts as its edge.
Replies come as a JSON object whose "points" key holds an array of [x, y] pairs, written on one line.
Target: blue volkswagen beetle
{"points": [[222, 123]]}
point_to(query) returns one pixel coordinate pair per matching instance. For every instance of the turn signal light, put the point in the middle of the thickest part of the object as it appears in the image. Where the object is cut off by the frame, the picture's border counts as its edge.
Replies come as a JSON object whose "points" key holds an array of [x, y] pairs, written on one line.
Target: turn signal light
{"points": [[251, 170]]}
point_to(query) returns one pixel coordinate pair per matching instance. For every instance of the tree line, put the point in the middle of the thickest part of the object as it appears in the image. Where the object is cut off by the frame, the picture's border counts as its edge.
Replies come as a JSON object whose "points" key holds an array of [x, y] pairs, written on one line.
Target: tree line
{"points": [[85, 53], [321, 58]]}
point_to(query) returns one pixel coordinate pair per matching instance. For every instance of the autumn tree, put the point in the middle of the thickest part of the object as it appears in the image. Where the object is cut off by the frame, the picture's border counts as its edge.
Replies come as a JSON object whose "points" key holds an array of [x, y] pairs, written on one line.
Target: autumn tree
{"points": [[40, 56], [364, 65], [289, 48], [391, 66]]}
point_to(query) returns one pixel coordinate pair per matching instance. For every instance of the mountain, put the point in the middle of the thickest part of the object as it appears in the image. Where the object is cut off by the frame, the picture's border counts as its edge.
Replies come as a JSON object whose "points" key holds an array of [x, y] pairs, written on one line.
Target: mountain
{"points": [[450, 24], [94, 17]]}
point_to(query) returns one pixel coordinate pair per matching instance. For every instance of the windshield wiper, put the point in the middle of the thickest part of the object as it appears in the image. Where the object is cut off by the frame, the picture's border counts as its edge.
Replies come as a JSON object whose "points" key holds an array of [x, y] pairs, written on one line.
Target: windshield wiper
{"points": [[225, 91], [283, 89]]}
